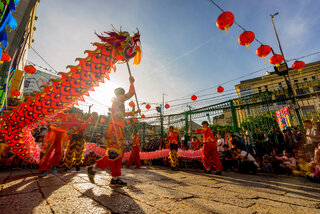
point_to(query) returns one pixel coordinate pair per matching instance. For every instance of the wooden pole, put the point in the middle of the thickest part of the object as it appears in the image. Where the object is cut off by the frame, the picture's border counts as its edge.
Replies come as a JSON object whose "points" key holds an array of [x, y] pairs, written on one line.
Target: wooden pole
{"points": [[135, 95]]}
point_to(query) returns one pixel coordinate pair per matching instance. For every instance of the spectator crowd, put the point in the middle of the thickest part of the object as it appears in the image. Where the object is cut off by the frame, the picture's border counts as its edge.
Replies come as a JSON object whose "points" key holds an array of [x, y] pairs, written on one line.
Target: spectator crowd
{"points": [[291, 151]]}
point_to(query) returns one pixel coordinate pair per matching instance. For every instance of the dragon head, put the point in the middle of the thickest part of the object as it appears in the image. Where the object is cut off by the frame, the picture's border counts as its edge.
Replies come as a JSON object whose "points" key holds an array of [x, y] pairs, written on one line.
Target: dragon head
{"points": [[130, 46]]}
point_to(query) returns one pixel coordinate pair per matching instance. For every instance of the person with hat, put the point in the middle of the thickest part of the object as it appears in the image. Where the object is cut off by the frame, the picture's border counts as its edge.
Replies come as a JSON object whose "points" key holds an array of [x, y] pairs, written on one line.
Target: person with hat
{"points": [[210, 154], [115, 137]]}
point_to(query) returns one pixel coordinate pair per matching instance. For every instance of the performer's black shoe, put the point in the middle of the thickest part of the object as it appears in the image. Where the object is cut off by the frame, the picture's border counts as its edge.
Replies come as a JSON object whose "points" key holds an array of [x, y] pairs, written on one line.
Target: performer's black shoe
{"points": [[176, 168], [66, 169], [207, 171], [77, 168], [218, 173], [91, 174], [117, 182]]}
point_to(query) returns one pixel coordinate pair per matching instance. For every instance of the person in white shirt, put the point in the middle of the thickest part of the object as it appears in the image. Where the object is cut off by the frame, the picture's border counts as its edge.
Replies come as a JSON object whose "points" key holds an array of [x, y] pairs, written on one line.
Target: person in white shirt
{"points": [[220, 143], [247, 163]]}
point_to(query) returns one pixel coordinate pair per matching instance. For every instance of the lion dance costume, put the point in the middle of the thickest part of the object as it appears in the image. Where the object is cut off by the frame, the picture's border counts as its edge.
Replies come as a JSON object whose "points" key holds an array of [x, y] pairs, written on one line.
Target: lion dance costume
{"points": [[210, 154], [134, 156], [76, 144], [55, 141], [173, 154]]}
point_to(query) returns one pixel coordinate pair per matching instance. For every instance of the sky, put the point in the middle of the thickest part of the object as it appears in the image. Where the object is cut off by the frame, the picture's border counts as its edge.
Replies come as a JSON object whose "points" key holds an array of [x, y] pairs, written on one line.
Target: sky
{"points": [[184, 53]]}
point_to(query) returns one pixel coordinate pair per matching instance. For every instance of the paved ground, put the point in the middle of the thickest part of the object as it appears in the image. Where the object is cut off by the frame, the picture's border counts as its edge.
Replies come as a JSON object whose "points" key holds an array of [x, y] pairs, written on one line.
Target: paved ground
{"points": [[157, 190]]}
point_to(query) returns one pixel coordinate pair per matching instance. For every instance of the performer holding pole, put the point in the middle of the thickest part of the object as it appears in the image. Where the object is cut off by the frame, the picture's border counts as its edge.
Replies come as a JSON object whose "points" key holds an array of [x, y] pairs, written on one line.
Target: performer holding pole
{"points": [[210, 154], [115, 137]]}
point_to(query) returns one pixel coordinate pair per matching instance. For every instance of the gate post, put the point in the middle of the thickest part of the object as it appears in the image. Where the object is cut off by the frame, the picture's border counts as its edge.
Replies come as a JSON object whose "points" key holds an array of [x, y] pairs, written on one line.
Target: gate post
{"points": [[186, 135], [234, 117], [143, 131]]}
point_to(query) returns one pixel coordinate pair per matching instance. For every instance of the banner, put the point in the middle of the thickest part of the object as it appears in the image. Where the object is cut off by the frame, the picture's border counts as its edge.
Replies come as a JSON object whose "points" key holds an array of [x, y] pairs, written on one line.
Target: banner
{"points": [[283, 118], [3, 86]]}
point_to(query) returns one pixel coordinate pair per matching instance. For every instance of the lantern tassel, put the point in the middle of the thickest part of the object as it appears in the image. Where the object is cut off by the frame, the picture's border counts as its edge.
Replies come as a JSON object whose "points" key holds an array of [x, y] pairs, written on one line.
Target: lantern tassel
{"points": [[248, 45]]}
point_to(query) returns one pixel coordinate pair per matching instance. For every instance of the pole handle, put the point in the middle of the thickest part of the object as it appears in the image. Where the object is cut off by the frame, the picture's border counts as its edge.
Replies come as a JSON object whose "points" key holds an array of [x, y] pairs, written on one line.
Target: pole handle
{"points": [[135, 95]]}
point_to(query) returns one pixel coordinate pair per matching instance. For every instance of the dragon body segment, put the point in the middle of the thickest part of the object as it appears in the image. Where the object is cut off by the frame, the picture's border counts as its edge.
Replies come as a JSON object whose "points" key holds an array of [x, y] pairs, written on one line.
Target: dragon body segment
{"points": [[16, 124]]}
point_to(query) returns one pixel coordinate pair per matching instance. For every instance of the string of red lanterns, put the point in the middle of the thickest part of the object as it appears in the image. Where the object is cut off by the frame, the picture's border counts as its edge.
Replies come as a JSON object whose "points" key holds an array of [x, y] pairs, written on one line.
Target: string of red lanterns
{"points": [[226, 19]]}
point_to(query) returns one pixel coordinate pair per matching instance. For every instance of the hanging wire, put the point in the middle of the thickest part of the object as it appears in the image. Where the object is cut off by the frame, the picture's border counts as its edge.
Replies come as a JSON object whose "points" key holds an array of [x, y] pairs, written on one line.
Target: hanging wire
{"points": [[43, 59], [215, 4]]}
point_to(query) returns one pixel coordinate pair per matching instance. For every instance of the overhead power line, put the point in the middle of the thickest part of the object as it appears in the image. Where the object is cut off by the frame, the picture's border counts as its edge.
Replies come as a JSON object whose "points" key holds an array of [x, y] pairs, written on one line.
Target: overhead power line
{"points": [[44, 60]]}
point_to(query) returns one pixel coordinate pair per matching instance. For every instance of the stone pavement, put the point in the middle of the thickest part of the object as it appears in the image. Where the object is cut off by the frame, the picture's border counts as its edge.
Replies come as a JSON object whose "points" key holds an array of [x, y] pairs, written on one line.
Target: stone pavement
{"points": [[157, 190]]}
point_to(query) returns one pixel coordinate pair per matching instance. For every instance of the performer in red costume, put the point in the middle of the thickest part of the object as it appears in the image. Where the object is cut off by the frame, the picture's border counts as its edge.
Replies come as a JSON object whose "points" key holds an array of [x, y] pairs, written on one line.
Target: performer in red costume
{"points": [[210, 155], [134, 156], [173, 142], [115, 138], [77, 142], [55, 141]]}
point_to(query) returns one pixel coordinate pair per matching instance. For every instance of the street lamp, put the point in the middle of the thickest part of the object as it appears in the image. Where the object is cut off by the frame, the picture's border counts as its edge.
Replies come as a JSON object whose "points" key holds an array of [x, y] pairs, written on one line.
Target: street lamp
{"points": [[283, 70]]}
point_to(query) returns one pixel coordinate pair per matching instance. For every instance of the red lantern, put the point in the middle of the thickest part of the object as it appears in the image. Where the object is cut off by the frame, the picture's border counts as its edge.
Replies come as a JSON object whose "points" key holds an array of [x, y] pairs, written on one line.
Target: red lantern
{"points": [[91, 118], [220, 89], [246, 38], [15, 93], [167, 106], [134, 119], [5, 57], [132, 104], [194, 98], [298, 65], [128, 121], [30, 69], [276, 59], [148, 106], [143, 116], [263, 51], [225, 21], [102, 120]]}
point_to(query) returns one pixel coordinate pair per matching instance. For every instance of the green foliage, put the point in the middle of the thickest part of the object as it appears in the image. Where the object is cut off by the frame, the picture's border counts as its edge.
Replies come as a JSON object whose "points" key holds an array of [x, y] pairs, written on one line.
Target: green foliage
{"points": [[264, 122], [221, 128], [311, 115]]}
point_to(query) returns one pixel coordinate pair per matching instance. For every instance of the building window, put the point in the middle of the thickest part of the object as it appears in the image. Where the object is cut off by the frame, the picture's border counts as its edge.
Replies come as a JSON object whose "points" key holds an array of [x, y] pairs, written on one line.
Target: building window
{"points": [[313, 77], [302, 91], [281, 99], [259, 88], [295, 81], [27, 83], [266, 87], [305, 79], [307, 110], [316, 88]]}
